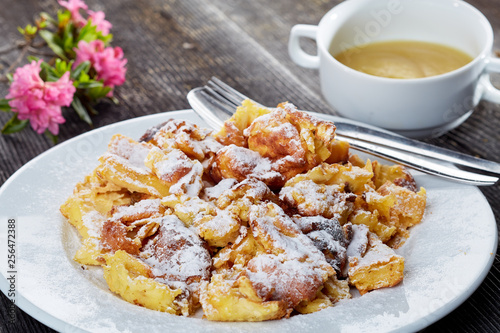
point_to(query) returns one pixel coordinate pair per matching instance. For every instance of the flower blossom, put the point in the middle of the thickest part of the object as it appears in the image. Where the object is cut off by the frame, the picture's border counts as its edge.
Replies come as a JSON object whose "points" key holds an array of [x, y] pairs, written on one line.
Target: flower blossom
{"points": [[40, 101], [74, 7], [108, 62], [98, 20]]}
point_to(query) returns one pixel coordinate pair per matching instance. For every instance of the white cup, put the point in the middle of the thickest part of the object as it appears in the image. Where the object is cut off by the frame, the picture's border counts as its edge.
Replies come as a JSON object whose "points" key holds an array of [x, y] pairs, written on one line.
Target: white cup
{"points": [[418, 107]]}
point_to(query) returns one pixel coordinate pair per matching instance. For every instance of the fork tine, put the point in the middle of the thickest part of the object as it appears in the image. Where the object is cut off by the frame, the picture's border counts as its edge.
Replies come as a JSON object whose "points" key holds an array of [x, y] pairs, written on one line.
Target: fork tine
{"points": [[222, 103], [227, 91], [222, 99], [224, 93], [201, 101]]}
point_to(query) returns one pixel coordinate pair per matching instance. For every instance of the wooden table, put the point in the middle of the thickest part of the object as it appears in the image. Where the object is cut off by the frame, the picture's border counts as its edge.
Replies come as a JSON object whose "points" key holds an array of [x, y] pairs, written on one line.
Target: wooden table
{"points": [[173, 46]]}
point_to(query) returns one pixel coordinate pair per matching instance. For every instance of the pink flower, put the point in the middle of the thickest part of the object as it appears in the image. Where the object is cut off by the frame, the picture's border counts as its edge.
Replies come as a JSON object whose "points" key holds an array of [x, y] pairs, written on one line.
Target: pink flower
{"points": [[108, 62], [40, 101], [74, 7], [98, 20]]}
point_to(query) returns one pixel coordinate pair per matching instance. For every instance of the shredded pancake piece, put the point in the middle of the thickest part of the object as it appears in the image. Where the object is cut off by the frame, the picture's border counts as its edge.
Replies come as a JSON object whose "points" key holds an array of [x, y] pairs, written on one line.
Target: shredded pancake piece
{"points": [[268, 218]]}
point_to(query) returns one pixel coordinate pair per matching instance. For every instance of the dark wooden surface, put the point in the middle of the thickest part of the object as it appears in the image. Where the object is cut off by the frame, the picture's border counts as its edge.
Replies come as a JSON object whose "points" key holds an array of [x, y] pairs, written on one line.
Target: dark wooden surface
{"points": [[173, 46]]}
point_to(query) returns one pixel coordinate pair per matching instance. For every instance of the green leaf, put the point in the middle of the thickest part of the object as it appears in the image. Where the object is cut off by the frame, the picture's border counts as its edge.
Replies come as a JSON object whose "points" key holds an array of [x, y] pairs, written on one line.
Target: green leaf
{"points": [[68, 44], [59, 65], [80, 110], [63, 17], [52, 74], [62, 67], [53, 41], [44, 65], [4, 105], [32, 58], [106, 39], [84, 77], [84, 67], [98, 92], [89, 85], [52, 137], [92, 110], [48, 72], [46, 16], [68, 38], [31, 30], [52, 77], [87, 32], [45, 69], [9, 77], [14, 125], [114, 100]]}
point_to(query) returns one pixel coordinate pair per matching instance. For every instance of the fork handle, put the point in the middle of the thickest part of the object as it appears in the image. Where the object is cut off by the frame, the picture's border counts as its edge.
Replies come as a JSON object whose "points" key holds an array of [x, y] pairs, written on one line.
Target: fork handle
{"points": [[421, 163], [204, 107], [399, 142]]}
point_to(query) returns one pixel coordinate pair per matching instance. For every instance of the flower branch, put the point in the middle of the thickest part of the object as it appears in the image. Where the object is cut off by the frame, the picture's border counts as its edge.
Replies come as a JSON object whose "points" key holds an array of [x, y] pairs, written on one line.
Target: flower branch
{"points": [[83, 69]]}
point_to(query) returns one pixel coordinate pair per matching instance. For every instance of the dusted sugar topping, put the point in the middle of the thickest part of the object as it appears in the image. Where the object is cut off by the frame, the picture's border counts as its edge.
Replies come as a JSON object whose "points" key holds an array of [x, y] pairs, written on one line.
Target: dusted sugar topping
{"points": [[329, 237], [242, 163], [292, 281], [128, 153], [140, 210], [311, 199], [279, 132], [269, 218], [174, 165], [212, 193], [194, 141], [93, 221], [377, 252], [281, 236], [249, 192], [177, 254], [359, 241], [221, 224], [176, 170]]}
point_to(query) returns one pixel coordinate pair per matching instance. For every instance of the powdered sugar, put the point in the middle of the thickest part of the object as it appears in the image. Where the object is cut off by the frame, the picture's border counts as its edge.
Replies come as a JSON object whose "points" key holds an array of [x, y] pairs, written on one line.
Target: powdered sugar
{"points": [[250, 163], [143, 207], [93, 221], [435, 279], [182, 134], [313, 199], [174, 164], [129, 154], [177, 254], [266, 226], [291, 281], [222, 224], [214, 192], [359, 242], [377, 252], [191, 183]]}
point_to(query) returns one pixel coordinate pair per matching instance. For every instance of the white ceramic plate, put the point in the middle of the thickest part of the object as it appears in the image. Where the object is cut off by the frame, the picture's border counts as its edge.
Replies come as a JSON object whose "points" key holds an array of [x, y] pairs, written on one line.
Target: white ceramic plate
{"points": [[447, 255]]}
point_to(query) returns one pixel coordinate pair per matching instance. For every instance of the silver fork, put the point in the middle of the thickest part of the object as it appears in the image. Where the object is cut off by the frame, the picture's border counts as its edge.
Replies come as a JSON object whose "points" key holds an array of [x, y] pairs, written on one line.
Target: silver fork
{"points": [[217, 101]]}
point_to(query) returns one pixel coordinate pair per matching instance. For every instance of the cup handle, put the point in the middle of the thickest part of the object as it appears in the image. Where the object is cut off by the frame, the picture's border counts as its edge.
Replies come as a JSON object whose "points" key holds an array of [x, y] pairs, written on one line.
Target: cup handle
{"points": [[489, 91], [298, 55]]}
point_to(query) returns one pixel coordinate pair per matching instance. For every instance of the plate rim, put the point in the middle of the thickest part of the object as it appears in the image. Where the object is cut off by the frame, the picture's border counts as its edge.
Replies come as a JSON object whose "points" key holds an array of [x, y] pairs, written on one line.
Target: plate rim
{"points": [[60, 325]]}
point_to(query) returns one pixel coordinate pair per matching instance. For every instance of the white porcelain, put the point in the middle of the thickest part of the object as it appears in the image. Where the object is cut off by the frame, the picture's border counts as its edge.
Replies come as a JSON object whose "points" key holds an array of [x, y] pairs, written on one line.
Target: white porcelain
{"points": [[447, 255], [415, 107]]}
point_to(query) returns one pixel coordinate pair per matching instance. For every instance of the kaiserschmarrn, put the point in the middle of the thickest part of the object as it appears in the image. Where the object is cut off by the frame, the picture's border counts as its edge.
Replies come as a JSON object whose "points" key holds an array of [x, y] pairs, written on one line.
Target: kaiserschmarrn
{"points": [[269, 217]]}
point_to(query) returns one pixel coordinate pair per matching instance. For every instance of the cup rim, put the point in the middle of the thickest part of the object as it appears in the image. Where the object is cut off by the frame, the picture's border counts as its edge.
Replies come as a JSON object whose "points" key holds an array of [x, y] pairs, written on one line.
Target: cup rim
{"points": [[484, 54]]}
